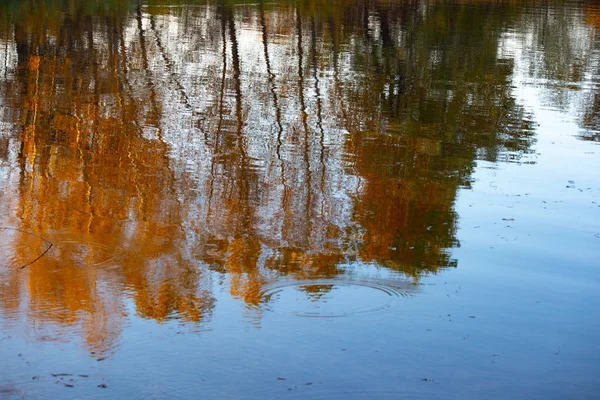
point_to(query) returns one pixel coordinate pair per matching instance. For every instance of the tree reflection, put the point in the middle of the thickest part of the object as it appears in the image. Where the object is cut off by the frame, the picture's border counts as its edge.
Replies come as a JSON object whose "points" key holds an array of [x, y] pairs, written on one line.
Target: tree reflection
{"points": [[158, 148], [563, 50]]}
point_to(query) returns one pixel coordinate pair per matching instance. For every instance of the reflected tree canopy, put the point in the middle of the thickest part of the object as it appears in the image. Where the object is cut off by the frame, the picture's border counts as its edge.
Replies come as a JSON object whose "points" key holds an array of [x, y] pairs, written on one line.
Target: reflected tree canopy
{"points": [[166, 149]]}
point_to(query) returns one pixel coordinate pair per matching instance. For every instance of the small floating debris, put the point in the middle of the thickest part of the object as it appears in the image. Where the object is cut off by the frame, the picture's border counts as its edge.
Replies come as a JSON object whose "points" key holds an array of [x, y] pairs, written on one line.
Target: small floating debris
{"points": [[46, 245]]}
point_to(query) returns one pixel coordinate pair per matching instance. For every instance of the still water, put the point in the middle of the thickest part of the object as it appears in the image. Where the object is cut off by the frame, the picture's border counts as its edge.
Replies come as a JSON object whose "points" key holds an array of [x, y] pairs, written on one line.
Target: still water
{"points": [[299, 199]]}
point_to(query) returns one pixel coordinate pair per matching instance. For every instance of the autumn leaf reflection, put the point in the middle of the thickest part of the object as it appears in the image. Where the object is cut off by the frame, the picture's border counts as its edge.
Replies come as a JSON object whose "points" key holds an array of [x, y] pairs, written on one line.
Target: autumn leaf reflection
{"points": [[161, 147]]}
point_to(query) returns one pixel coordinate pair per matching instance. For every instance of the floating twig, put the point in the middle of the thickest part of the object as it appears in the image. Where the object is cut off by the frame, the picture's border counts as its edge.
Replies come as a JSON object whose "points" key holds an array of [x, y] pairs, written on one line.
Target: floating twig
{"points": [[32, 234]]}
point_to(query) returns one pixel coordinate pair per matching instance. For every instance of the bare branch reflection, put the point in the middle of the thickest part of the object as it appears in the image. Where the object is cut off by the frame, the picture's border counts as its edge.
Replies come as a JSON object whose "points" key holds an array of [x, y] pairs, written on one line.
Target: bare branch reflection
{"points": [[164, 149]]}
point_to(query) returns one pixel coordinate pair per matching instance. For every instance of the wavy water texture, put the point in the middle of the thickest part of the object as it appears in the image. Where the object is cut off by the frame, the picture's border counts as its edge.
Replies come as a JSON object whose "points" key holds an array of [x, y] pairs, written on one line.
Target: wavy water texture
{"points": [[336, 297]]}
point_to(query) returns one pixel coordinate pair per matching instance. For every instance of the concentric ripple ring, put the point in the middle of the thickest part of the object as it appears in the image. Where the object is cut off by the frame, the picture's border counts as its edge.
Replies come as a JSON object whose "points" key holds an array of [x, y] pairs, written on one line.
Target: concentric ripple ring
{"points": [[330, 298]]}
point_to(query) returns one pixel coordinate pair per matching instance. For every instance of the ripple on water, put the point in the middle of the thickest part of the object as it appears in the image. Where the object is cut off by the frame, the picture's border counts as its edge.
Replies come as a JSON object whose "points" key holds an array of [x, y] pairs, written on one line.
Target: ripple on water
{"points": [[82, 253], [330, 298]]}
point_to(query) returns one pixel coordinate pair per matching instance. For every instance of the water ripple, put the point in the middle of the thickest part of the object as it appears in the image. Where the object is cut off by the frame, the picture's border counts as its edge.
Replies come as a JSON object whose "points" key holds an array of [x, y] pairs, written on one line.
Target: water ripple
{"points": [[336, 297]]}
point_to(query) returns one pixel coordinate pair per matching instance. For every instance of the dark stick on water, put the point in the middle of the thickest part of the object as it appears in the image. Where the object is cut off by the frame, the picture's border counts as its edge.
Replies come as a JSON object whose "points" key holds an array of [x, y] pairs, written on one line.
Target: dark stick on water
{"points": [[38, 236]]}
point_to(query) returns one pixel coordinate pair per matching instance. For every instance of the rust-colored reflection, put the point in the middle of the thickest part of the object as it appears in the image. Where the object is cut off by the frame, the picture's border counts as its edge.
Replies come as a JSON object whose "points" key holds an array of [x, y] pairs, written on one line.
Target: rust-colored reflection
{"points": [[157, 148]]}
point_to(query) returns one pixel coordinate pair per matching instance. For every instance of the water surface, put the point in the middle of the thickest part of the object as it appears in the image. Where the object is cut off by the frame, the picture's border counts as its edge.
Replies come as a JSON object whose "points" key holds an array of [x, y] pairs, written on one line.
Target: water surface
{"points": [[316, 199]]}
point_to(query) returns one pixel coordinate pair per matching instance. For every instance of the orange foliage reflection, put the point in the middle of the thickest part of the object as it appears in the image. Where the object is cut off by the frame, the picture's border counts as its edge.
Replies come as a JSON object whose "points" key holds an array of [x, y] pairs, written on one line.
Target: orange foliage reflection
{"points": [[257, 147]]}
